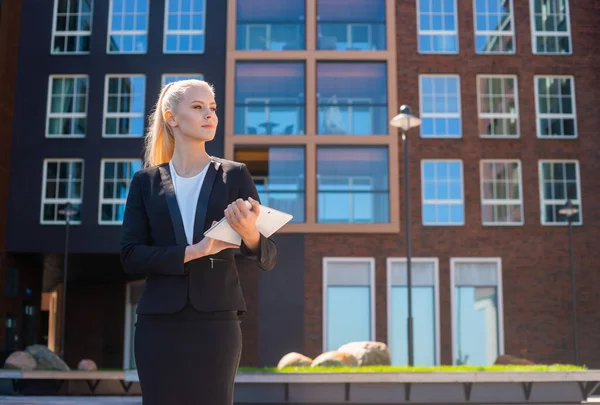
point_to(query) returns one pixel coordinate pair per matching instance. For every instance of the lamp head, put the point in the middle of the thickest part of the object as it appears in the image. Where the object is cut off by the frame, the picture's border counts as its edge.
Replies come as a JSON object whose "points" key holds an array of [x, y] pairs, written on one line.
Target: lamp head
{"points": [[405, 120]]}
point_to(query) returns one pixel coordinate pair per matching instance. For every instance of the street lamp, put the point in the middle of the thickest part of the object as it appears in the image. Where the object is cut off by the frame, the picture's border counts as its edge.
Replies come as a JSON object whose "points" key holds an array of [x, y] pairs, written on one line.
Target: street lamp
{"points": [[569, 210], [68, 212], [405, 121]]}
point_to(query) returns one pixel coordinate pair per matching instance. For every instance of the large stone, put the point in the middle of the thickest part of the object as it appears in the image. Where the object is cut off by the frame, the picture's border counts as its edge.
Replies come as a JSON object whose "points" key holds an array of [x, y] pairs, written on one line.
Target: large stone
{"points": [[294, 359], [368, 353], [20, 361], [334, 359], [507, 359], [87, 365], [46, 359]]}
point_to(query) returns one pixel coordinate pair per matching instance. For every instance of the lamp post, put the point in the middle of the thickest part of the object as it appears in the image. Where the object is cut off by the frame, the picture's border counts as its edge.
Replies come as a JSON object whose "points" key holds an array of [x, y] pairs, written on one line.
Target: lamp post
{"points": [[569, 210], [68, 212], [405, 121]]}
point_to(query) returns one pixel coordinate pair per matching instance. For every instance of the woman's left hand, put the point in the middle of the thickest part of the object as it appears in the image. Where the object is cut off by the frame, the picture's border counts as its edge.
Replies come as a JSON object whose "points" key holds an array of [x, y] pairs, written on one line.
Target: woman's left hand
{"points": [[242, 219]]}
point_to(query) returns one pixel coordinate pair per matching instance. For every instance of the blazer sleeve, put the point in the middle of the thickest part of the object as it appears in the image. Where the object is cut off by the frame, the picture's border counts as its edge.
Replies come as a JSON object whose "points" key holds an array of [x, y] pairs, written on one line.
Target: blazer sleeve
{"points": [[266, 255], [137, 255]]}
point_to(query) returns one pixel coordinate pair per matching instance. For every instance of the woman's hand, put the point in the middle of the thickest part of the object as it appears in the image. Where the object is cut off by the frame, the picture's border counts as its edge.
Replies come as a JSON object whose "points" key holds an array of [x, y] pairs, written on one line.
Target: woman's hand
{"points": [[243, 220], [206, 247]]}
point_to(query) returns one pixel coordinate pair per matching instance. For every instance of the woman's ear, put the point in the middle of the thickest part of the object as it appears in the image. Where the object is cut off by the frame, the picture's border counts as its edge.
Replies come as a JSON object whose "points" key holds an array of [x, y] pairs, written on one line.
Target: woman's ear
{"points": [[170, 119]]}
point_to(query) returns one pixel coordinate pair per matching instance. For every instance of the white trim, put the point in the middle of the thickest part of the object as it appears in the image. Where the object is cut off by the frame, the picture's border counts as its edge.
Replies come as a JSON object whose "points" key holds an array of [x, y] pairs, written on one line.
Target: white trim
{"points": [[495, 33], [200, 76], [50, 115], [106, 114], [325, 261], [55, 201], [446, 33], [440, 202], [112, 201], [555, 34], [499, 115], [441, 115], [539, 116], [166, 30], [494, 202], [69, 33], [543, 201], [436, 288], [126, 32], [127, 336], [498, 262]]}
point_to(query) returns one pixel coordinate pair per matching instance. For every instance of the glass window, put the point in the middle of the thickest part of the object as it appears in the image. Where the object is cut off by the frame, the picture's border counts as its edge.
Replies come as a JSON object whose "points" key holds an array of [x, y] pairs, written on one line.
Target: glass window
{"points": [[443, 200], [63, 183], [437, 26], [494, 26], [501, 192], [67, 106], [184, 26], [551, 27], [170, 78], [352, 98], [72, 26], [124, 98], [269, 98], [278, 174], [128, 26], [424, 303], [498, 106], [357, 25], [440, 107], [348, 302], [264, 25], [559, 182], [555, 107], [352, 185], [476, 332], [115, 179]]}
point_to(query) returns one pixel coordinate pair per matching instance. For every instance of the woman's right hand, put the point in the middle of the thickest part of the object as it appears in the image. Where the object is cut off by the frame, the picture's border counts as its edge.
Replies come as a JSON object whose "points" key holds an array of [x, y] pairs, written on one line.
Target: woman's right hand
{"points": [[206, 247]]}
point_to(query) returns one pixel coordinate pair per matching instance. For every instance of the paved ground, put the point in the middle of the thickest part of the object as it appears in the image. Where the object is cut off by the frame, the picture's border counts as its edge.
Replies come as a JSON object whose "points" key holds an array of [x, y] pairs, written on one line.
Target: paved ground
{"points": [[16, 400]]}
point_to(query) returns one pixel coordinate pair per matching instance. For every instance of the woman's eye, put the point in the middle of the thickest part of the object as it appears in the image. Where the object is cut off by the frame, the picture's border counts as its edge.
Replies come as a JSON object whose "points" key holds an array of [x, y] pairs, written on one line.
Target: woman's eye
{"points": [[213, 109]]}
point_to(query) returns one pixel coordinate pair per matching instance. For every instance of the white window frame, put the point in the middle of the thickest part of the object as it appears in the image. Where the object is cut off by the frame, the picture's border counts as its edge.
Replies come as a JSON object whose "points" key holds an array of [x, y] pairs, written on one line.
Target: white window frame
{"points": [[111, 201], [106, 114], [127, 343], [446, 33], [78, 201], [180, 76], [73, 116], [443, 202], [498, 262], [131, 33], [492, 202], [555, 34], [441, 115], [69, 33], [506, 116], [436, 291], [539, 116], [166, 30], [494, 33], [371, 262], [543, 201]]}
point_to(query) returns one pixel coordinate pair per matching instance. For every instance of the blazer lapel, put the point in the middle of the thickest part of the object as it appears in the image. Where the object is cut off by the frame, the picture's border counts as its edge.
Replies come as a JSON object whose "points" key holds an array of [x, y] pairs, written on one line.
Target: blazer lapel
{"points": [[203, 199], [175, 213]]}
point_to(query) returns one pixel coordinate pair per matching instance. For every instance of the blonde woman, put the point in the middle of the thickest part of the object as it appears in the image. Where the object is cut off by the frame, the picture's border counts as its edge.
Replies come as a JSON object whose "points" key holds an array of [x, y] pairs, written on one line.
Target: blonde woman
{"points": [[188, 338]]}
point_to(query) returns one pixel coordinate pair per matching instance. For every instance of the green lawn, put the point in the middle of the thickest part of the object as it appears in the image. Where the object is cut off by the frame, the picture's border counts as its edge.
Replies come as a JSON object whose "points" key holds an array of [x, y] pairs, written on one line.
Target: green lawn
{"points": [[393, 369]]}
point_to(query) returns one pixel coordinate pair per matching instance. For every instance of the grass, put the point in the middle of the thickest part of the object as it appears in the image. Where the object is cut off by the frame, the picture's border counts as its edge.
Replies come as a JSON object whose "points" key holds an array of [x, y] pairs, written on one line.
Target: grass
{"points": [[396, 369]]}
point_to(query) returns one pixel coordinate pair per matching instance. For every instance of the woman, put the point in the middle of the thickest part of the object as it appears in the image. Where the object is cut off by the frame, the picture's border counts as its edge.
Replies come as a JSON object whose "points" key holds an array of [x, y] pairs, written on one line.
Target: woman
{"points": [[188, 338]]}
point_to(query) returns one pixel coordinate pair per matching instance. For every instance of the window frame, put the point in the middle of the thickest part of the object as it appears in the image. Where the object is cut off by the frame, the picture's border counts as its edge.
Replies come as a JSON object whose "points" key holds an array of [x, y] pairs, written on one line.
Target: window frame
{"points": [[69, 33], [497, 33], [444, 115], [505, 116], [542, 200], [106, 114], [56, 201], [445, 33], [190, 32], [539, 116], [50, 115], [555, 34], [462, 190], [109, 31], [112, 201], [493, 202]]}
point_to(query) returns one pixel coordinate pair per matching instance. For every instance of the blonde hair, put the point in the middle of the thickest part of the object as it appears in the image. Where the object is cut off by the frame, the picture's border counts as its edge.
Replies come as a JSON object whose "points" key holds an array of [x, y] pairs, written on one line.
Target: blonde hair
{"points": [[160, 142]]}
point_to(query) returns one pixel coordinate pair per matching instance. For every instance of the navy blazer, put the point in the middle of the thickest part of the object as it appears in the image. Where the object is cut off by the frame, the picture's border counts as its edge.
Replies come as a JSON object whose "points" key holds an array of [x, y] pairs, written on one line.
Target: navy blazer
{"points": [[153, 241]]}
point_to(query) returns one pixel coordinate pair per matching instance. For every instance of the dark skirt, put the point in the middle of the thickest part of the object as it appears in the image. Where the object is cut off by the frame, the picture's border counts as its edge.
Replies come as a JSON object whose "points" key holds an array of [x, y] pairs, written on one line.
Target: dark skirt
{"points": [[188, 358]]}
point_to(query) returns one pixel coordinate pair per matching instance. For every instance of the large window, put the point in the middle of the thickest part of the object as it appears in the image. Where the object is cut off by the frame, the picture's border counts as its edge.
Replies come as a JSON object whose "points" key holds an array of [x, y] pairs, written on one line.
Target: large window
{"points": [[184, 26], [67, 106], [264, 25], [278, 173], [443, 195], [115, 179], [550, 26], [170, 78], [555, 106], [352, 98], [124, 106], [437, 24], [498, 106], [128, 26], [269, 98], [72, 26], [440, 106], [351, 25], [63, 183], [477, 332], [501, 192], [348, 301], [494, 26], [352, 185], [559, 182], [425, 304]]}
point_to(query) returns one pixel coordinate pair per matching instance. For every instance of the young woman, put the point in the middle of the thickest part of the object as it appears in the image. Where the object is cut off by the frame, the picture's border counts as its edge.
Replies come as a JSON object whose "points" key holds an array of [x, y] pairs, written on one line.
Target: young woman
{"points": [[187, 338]]}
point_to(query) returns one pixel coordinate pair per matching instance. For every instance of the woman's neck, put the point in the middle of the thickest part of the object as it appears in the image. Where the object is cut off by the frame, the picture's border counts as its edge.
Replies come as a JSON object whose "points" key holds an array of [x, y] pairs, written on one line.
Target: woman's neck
{"points": [[189, 158]]}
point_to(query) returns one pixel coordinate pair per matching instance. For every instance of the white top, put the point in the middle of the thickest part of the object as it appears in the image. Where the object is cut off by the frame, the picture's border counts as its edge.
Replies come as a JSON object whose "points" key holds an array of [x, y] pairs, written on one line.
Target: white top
{"points": [[187, 191]]}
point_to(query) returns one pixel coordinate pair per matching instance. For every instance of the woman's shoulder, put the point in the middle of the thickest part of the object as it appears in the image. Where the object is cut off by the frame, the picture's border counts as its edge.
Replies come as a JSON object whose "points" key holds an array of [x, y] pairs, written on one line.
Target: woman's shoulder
{"points": [[229, 164], [147, 173]]}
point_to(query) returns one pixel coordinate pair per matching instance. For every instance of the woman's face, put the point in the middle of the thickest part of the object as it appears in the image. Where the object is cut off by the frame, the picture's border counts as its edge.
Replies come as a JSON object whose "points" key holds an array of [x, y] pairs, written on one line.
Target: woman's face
{"points": [[195, 116]]}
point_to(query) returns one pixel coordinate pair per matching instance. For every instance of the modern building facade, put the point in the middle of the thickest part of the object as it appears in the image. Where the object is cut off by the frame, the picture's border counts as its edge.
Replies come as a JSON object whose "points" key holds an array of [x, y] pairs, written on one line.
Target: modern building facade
{"points": [[306, 89]]}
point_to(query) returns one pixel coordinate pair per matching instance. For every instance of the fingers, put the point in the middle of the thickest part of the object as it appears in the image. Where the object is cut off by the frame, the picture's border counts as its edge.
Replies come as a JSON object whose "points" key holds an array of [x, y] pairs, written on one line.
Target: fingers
{"points": [[255, 206]]}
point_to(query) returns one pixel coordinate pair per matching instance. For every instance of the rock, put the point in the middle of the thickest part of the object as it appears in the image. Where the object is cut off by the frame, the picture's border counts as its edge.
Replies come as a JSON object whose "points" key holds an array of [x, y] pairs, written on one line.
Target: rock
{"points": [[87, 365], [294, 359], [507, 359], [20, 361], [46, 359], [334, 359], [368, 353]]}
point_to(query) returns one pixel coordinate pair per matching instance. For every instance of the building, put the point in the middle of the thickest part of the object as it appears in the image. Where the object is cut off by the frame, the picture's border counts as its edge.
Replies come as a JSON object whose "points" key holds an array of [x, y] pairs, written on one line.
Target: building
{"points": [[306, 89]]}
